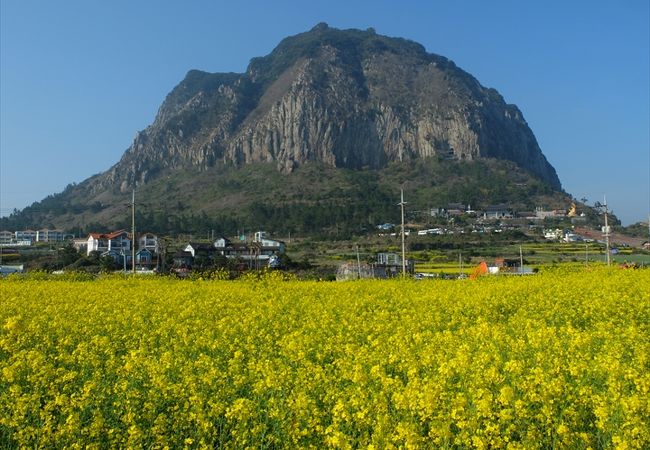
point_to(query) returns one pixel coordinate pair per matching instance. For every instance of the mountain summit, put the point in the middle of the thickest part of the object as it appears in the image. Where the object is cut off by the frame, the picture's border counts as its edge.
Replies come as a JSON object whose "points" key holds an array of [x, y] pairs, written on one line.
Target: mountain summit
{"points": [[346, 98], [319, 134]]}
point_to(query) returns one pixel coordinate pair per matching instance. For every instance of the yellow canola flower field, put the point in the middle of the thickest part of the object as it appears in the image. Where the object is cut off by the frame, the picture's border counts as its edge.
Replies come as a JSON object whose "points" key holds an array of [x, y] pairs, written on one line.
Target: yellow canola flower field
{"points": [[557, 360]]}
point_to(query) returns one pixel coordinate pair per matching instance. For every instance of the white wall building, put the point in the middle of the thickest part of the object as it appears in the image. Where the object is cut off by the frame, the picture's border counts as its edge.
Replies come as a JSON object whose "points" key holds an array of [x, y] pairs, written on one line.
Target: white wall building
{"points": [[50, 236], [25, 235], [117, 241], [6, 237], [260, 238]]}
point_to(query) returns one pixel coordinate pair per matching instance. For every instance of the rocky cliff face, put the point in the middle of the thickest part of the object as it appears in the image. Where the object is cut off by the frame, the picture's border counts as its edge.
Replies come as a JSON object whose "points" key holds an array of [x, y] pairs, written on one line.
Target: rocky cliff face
{"points": [[348, 98]]}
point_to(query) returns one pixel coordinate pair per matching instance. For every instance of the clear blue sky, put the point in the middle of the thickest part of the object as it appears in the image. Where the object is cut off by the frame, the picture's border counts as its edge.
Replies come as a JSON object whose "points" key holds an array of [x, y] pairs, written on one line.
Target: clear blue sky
{"points": [[79, 78]]}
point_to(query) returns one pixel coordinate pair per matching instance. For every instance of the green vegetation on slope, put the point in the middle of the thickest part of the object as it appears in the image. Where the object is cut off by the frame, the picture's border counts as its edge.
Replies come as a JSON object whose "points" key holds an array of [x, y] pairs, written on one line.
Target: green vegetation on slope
{"points": [[313, 200]]}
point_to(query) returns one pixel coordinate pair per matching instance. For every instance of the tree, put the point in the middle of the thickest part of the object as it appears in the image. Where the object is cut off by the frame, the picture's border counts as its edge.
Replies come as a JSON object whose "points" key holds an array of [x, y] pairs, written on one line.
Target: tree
{"points": [[67, 255], [107, 264]]}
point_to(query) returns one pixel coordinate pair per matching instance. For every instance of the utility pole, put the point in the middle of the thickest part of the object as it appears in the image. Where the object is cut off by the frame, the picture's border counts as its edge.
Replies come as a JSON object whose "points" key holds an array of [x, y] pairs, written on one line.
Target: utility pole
{"points": [[358, 262], [160, 266], [606, 233], [134, 239], [401, 204]]}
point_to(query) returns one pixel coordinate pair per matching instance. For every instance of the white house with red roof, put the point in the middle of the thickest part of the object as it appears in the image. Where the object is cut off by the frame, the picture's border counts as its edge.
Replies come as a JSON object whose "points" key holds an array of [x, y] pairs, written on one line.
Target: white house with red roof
{"points": [[117, 241]]}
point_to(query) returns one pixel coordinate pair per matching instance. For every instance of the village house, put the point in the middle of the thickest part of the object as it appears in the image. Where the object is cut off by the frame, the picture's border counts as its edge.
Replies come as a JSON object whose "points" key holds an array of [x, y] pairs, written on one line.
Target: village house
{"points": [[80, 244], [261, 249], [455, 209], [6, 237], [96, 242], [501, 211], [572, 237], [25, 236], [225, 247], [46, 235], [117, 242], [145, 259], [118, 245], [122, 257], [196, 249], [553, 234], [182, 261], [437, 212], [431, 231], [387, 265], [268, 243], [386, 226], [29, 237], [149, 241], [541, 214], [509, 266], [527, 215]]}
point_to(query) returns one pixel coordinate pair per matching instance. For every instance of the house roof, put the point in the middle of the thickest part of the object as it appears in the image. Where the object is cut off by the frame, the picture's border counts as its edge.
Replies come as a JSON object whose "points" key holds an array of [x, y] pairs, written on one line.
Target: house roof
{"points": [[233, 245], [115, 234], [501, 207], [271, 240], [201, 246], [111, 235]]}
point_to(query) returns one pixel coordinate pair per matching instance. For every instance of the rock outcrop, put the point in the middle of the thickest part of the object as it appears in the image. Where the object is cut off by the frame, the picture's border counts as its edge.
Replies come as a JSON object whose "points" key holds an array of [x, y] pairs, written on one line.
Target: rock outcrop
{"points": [[348, 98]]}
